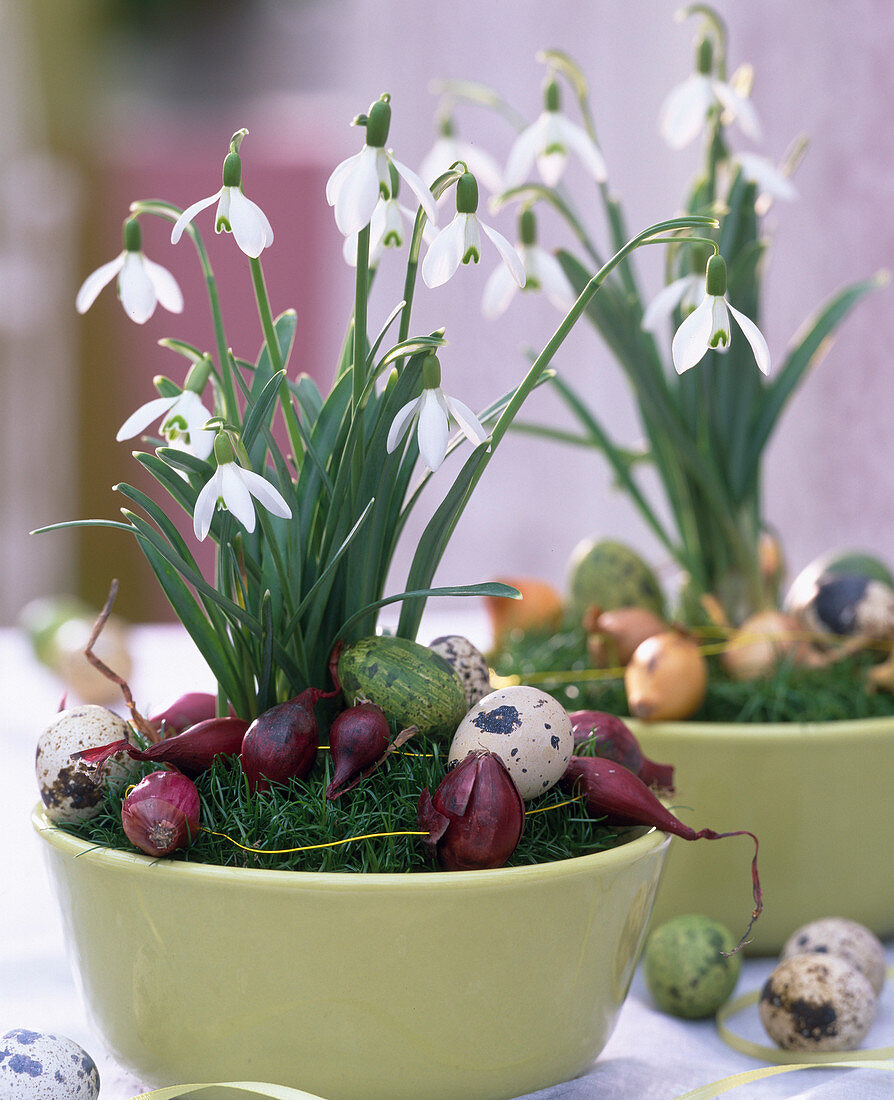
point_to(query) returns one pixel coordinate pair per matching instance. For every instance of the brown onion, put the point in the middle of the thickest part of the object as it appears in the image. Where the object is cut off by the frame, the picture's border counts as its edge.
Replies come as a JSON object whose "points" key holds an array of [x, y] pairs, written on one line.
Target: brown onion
{"points": [[161, 813], [475, 818], [613, 635], [666, 678], [761, 642]]}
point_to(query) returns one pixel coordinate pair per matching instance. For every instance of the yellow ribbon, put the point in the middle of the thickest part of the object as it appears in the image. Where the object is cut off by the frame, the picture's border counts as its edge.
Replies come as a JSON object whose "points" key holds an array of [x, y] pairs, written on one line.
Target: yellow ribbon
{"points": [[708, 1092], [278, 1092]]}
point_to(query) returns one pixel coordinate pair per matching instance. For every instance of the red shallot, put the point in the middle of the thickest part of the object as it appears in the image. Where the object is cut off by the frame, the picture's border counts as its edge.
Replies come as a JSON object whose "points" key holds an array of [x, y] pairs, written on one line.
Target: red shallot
{"points": [[358, 738], [612, 792], [475, 817], [161, 813], [612, 739], [192, 751], [281, 743], [188, 710]]}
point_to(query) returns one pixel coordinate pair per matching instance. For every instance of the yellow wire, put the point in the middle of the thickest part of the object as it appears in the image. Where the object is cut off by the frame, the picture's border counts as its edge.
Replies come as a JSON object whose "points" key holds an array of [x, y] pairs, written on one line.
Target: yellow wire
{"points": [[311, 847]]}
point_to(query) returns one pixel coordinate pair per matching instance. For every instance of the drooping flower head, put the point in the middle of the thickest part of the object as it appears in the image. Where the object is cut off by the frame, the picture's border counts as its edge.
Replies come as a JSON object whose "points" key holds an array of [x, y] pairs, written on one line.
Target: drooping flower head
{"points": [[542, 272], [707, 328], [448, 149], [183, 415], [232, 486], [460, 241], [687, 107], [386, 227], [236, 214], [357, 183], [433, 410], [548, 141], [142, 284]]}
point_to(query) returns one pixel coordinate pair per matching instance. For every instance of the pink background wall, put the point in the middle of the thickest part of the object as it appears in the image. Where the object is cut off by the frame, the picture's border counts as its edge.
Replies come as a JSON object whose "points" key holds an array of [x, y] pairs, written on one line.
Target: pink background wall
{"points": [[295, 74]]}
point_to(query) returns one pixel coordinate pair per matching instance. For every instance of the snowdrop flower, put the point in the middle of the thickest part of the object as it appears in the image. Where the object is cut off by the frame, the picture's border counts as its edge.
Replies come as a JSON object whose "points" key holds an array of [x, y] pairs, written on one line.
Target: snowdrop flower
{"points": [[183, 416], [142, 284], [460, 241], [708, 327], [433, 410], [448, 149], [542, 272], [771, 183], [235, 213], [547, 142], [355, 186], [685, 292], [686, 108], [231, 486], [386, 228]]}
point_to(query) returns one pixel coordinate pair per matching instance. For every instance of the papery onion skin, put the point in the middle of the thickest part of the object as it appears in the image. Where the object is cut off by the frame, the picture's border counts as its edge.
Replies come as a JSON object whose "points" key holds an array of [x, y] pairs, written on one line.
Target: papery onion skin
{"points": [[613, 739], [162, 813], [761, 642], [357, 739], [666, 678], [281, 743], [191, 752], [613, 635], [187, 711], [475, 817]]}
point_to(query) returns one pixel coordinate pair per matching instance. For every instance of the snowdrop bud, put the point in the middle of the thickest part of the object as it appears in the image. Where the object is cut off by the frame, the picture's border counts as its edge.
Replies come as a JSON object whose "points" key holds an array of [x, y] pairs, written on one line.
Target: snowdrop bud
{"points": [[527, 229], [704, 57], [552, 99], [133, 235], [199, 373], [431, 372], [715, 277], [223, 449], [466, 194], [232, 170], [378, 122]]}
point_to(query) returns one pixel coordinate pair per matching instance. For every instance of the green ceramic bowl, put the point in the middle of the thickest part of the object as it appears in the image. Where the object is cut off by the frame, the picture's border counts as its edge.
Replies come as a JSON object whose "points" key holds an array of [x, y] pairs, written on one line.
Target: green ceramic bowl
{"points": [[480, 984], [819, 798]]}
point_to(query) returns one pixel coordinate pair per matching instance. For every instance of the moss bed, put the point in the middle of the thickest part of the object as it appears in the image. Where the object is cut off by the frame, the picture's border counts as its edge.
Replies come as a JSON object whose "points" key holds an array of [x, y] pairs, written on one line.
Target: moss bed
{"points": [[558, 663], [298, 815]]}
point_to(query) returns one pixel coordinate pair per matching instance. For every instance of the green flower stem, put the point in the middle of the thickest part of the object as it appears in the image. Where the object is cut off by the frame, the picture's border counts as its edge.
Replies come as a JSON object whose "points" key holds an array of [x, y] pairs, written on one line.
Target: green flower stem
{"points": [[361, 299], [276, 360], [171, 213]]}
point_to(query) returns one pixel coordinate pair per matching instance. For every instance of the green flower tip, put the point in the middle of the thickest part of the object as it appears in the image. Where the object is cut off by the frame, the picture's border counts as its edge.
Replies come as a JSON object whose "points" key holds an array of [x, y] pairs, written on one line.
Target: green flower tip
{"points": [[223, 448], [466, 194], [378, 122], [704, 57], [232, 170], [237, 139], [715, 276], [527, 228], [552, 99], [133, 237], [431, 372], [199, 373]]}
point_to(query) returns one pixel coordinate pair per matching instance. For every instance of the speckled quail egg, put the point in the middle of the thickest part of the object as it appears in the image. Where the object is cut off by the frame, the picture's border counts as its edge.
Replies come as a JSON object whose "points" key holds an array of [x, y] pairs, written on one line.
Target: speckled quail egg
{"points": [[468, 662], [35, 1065], [848, 940], [844, 603], [689, 966], [817, 1002], [71, 790], [529, 730]]}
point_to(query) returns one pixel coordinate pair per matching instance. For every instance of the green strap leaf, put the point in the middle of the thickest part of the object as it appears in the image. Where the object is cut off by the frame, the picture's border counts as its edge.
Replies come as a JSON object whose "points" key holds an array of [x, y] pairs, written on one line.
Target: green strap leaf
{"points": [[486, 588]]}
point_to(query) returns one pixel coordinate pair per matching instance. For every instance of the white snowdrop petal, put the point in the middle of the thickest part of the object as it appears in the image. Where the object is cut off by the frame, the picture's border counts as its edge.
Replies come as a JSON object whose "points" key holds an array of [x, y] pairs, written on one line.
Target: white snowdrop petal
{"points": [[684, 111], [690, 341], [521, 156], [499, 290], [166, 287], [145, 415], [419, 189], [251, 229], [261, 489], [400, 423], [95, 282], [469, 423], [444, 254], [433, 431], [189, 213], [236, 496], [665, 302], [546, 269], [755, 338], [136, 289], [206, 503], [580, 141], [510, 256]]}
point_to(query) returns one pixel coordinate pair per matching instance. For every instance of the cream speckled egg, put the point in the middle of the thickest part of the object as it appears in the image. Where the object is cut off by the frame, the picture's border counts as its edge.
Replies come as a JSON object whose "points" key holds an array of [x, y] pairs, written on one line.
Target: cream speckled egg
{"points": [[817, 1002], [72, 790], [468, 662], [35, 1065], [845, 938], [529, 730]]}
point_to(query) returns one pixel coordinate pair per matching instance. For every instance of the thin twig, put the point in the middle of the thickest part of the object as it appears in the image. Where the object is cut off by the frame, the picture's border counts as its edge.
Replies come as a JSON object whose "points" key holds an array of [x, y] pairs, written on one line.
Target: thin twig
{"points": [[145, 727]]}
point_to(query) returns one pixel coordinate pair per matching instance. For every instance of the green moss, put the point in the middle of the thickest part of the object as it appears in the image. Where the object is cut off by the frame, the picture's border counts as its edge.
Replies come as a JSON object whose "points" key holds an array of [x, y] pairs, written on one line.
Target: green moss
{"points": [[299, 816], [558, 663]]}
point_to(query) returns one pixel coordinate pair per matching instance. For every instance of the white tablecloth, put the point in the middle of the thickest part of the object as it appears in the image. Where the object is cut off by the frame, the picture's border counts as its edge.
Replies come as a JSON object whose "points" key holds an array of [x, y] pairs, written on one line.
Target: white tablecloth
{"points": [[651, 1056]]}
